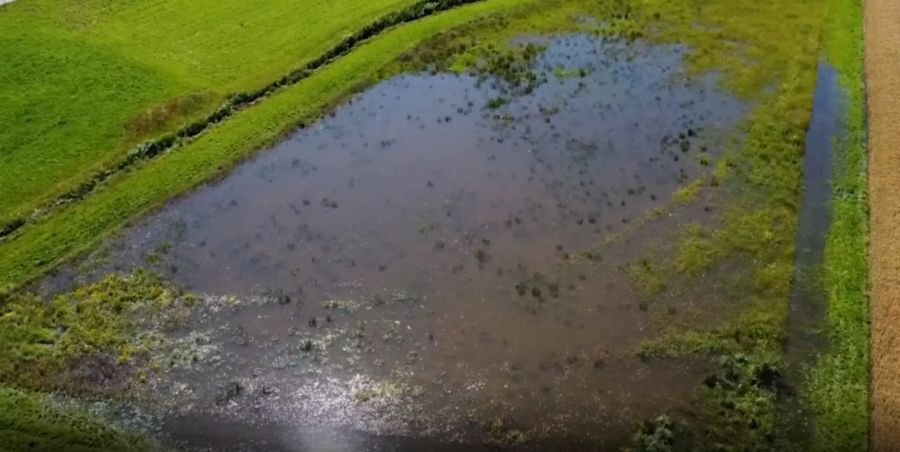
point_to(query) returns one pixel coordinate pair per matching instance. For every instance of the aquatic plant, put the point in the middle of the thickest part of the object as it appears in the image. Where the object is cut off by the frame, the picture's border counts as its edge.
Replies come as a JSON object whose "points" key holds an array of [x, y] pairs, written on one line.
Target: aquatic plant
{"points": [[648, 276], [341, 305], [741, 404], [499, 434], [46, 342], [656, 435]]}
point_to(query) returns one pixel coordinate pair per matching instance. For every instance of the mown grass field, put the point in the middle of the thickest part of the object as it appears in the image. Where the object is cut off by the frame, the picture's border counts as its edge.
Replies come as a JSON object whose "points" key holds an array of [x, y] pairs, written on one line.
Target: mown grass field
{"points": [[81, 81]]}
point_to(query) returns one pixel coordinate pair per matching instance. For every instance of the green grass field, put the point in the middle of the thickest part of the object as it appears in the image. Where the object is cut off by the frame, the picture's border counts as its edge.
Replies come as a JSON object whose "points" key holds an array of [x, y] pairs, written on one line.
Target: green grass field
{"points": [[81, 81]]}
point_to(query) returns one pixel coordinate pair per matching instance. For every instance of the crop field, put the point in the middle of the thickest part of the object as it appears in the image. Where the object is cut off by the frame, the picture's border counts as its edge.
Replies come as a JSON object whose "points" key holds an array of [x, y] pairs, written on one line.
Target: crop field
{"points": [[309, 225]]}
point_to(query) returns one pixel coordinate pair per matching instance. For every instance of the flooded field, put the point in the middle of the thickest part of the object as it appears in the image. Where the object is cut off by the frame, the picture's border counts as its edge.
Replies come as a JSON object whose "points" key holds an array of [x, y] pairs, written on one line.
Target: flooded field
{"points": [[807, 298], [440, 262]]}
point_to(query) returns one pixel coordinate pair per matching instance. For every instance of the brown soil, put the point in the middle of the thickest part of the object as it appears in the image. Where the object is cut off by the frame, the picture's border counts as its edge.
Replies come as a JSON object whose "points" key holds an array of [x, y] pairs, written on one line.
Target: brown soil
{"points": [[882, 44]]}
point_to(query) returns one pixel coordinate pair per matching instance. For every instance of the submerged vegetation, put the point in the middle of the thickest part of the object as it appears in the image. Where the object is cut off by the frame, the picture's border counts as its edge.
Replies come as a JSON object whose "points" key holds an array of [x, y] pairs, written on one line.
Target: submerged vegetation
{"points": [[95, 340], [88, 336]]}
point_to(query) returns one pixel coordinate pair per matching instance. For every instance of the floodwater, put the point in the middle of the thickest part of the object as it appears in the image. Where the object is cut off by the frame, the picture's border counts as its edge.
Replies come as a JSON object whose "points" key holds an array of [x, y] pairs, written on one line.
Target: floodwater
{"points": [[410, 274], [808, 297], [825, 127]]}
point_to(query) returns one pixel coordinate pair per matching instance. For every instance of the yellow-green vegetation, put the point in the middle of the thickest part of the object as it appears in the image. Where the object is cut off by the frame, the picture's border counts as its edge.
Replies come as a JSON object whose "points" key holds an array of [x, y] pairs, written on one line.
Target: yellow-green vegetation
{"points": [[766, 53], [95, 325], [30, 421], [838, 382], [93, 340], [757, 327], [376, 391], [688, 193], [648, 276], [82, 81]]}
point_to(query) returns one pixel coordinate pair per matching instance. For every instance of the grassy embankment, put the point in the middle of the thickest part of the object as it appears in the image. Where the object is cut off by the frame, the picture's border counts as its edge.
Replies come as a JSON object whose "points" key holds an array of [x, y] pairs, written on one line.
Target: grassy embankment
{"points": [[30, 421], [83, 81]]}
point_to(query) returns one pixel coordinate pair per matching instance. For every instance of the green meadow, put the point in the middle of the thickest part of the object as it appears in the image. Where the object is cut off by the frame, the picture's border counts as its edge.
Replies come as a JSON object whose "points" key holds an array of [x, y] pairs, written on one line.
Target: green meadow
{"points": [[83, 81]]}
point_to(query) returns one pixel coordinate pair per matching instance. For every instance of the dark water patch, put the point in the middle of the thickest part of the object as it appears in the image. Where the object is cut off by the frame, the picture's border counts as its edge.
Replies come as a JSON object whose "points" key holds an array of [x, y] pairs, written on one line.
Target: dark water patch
{"points": [[808, 299], [418, 259]]}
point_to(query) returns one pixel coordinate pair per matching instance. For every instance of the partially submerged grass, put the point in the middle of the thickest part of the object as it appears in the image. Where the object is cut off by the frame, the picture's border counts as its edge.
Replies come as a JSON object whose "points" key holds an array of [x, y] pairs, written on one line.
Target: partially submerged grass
{"points": [[648, 276], [766, 54], [758, 328], [95, 340], [689, 192], [34, 422], [93, 328], [838, 382]]}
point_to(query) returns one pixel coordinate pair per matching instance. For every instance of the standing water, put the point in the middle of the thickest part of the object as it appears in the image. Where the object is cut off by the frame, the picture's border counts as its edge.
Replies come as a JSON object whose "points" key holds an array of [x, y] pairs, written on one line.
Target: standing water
{"points": [[825, 128], [411, 272], [808, 298]]}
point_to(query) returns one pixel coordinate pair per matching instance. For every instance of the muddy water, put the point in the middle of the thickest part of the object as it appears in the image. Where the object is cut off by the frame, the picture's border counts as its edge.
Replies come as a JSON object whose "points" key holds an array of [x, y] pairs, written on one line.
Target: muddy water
{"points": [[409, 271]]}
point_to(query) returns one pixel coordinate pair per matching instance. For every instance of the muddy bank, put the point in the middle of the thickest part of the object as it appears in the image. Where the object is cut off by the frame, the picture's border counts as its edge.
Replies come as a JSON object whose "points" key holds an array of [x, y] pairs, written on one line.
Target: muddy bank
{"points": [[424, 264]]}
